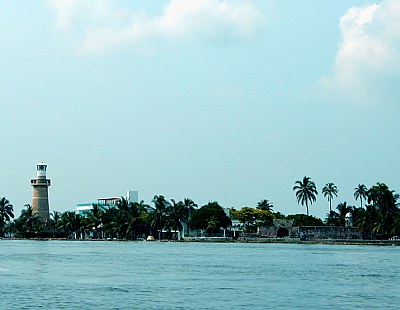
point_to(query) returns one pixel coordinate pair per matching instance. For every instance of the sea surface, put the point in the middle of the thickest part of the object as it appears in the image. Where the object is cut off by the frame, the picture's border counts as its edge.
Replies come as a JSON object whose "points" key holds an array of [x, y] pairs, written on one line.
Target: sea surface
{"points": [[170, 275]]}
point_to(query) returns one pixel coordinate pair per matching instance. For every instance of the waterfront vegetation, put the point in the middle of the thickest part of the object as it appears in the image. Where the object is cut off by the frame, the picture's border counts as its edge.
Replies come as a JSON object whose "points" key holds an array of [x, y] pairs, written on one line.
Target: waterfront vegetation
{"points": [[378, 216]]}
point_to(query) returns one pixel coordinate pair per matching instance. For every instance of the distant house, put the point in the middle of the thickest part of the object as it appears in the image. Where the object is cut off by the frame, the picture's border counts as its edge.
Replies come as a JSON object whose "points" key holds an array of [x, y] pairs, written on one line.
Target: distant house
{"points": [[131, 196]]}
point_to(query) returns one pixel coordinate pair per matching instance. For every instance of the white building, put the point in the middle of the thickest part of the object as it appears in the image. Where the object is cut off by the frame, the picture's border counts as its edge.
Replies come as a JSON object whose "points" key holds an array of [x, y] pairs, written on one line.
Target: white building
{"points": [[131, 197]]}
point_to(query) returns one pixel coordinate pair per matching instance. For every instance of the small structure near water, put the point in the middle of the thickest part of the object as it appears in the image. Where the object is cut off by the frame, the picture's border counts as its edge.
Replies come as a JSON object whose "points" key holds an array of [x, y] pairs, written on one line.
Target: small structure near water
{"points": [[348, 220], [285, 228]]}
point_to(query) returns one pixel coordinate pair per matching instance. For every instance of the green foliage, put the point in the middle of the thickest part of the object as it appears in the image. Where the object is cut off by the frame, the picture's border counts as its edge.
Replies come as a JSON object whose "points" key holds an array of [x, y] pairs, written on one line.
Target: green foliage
{"points": [[380, 217], [279, 216], [160, 204], [210, 217], [266, 205], [383, 212], [252, 218], [6, 214], [334, 219], [338, 218], [329, 191], [306, 192], [305, 220], [360, 192]]}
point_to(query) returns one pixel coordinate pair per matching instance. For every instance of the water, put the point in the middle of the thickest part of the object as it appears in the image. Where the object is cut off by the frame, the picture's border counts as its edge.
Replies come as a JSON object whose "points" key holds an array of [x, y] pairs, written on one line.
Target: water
{"points": [[146, 275]]}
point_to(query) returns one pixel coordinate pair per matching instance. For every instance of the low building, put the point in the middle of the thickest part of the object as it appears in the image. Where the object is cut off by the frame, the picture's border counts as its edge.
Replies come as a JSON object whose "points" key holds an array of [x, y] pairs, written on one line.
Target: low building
{"points": [[131, 197]]}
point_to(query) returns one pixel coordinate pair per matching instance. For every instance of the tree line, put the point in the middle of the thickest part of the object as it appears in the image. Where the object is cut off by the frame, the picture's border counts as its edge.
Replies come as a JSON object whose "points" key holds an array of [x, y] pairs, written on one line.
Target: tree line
{"points": [[378, 214], [124, 220]]}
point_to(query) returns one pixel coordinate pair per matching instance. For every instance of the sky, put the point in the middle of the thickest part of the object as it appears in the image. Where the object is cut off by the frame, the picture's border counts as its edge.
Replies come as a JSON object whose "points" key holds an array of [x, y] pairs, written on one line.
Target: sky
{"points": [[229, 101]]}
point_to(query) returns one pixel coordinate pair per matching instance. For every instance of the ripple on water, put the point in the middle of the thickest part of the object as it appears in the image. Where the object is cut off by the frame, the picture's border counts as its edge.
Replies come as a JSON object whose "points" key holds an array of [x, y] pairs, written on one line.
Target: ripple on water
{"points": [[112, 275]]}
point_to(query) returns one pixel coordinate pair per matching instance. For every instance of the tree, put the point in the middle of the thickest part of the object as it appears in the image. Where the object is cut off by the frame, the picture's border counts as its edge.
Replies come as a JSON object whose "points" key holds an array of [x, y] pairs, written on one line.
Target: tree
{"points": [[72, 223], [28, 218], [175, 214], [160, 204], [333, 219], [252, 218], [55, 221], [134, 220], [306, 192], [360, 192], [329, 191], [94, 218], [6, 214], [264, 204], [343, 209], [113, 221], [367, 219], [191, 207], [358, 213], [304, 220], [384, 201], [210, 217], [190, 204], [395, 229]]}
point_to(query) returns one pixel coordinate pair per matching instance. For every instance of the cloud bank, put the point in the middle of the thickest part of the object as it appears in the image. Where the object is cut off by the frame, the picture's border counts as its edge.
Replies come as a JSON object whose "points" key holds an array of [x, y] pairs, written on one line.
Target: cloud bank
{"points": [[103, 25], [367, 65]]}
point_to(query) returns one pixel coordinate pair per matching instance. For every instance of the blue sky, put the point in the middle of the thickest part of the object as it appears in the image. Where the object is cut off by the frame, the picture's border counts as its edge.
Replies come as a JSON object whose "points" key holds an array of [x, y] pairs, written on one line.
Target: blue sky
{"points": [[230, 101]]}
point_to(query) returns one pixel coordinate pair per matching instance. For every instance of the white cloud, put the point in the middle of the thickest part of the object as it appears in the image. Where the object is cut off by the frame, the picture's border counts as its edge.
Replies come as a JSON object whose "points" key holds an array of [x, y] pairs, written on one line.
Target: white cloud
{"points": [[101, 25], [367, 65]]}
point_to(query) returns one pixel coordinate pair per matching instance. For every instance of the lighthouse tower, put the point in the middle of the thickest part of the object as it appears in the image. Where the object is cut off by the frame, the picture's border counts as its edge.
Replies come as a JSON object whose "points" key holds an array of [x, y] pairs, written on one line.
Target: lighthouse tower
{"points": [[40, 196]]}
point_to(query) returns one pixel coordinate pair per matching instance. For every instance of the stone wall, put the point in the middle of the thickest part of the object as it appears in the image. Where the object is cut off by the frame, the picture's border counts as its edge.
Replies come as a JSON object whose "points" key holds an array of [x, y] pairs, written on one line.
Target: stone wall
{"points": [[282, 229], [279, 228], [327, 232]]}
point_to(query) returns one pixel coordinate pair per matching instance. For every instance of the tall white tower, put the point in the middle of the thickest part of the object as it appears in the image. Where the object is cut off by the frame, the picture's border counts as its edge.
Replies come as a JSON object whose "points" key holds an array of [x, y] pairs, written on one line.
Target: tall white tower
{"points": [[40, 196]]}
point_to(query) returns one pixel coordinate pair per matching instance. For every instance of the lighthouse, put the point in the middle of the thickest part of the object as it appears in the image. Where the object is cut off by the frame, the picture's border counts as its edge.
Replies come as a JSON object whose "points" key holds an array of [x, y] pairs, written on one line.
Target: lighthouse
{"points": [[40, 196]]}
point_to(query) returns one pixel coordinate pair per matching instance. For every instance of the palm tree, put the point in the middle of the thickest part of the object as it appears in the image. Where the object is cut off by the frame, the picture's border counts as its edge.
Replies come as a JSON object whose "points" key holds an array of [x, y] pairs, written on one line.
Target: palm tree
{"points": [[265, 205], [6, 213], [160, 204], [94, 217], [191, 207], [384, 201], [190, 204], [55, 222], [123, 204], [133, 221], [306, 192], [176, 213], [333, 219], [72, 223], [343, 209], [360, 192], [28, 218], [113, 219], [329, 191], [395, 228]]}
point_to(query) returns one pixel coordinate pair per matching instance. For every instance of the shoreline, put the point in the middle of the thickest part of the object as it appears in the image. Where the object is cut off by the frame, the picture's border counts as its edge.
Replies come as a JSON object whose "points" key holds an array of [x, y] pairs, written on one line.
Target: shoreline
{"points": [[228, 240]]}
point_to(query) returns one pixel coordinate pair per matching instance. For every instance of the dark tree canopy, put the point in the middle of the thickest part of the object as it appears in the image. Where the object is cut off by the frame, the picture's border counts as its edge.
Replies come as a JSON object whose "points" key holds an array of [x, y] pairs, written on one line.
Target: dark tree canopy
{"points": [[305, 220], [210, 217]]}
